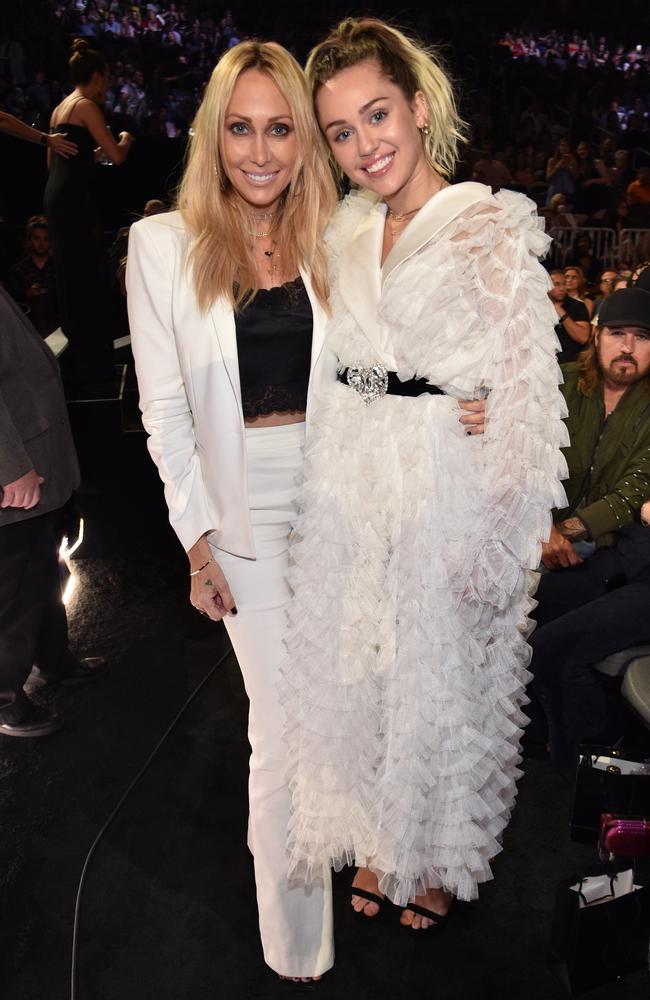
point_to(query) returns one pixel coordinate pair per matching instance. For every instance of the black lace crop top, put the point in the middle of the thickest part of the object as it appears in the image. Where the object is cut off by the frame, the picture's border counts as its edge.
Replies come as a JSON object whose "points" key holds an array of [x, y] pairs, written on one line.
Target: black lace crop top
{"points": [[274, 334]]}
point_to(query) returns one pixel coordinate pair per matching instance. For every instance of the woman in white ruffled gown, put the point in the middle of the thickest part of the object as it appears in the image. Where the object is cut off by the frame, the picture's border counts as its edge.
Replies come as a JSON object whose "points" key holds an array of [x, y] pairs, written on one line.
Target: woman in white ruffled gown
{"points": [[413, 548]]}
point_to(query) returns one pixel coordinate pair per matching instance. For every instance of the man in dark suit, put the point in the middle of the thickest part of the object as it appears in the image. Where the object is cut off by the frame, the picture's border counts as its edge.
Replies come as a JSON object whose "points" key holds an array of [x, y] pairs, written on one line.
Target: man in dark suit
{"points": [[38, 473]]}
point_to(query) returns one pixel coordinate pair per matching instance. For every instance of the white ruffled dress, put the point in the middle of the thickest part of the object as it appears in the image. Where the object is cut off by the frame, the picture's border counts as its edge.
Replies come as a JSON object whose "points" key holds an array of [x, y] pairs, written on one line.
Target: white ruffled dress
{"points": [[412, 553]]}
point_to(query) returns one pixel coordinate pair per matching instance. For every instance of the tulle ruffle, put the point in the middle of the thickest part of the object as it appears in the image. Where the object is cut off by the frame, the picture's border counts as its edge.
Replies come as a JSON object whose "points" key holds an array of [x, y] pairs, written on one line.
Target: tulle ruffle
{"points": [[412, 558]]}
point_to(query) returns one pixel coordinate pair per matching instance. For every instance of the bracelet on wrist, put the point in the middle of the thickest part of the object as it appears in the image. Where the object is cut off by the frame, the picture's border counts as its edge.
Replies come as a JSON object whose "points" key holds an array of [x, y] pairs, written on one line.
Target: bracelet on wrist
{"points": [[43, 139], [562, 318], [201, 568]]}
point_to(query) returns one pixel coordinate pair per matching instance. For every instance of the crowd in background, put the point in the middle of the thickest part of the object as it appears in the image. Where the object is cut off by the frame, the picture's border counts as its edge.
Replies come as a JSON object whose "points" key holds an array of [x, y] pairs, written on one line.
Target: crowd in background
{"points": [[562, 114]]}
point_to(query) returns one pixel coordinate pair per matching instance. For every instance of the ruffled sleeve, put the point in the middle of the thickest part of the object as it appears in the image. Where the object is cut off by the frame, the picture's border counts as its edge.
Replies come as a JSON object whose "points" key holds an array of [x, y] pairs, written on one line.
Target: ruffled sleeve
{"points": [[522, 460]]}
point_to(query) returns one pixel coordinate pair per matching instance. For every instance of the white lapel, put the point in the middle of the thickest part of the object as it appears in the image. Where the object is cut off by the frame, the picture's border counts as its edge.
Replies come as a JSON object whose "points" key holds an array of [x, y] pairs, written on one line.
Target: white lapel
{"points": [[360, 273], [223, 320], [438, 211]]}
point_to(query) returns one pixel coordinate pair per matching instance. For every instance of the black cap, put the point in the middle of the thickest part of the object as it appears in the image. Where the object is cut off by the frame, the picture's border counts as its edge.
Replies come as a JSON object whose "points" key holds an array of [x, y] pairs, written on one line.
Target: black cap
{"points": [[626, 307]]}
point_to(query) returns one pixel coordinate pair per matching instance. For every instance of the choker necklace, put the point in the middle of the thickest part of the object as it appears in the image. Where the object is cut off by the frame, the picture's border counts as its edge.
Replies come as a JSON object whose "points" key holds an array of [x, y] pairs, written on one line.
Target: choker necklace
{"points": [[263, 216], [261, 236], [400, 216]]}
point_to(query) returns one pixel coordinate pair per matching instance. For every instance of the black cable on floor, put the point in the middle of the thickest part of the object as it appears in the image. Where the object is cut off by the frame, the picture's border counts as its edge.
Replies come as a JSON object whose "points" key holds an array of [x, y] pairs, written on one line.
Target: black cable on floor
{"points": [[102, 832]]}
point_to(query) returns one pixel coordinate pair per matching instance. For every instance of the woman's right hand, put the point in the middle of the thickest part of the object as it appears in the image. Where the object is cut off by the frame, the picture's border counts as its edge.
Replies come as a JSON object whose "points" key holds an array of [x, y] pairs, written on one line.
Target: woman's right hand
{"points": [[127, 139], [210, 593], [60, 145]]}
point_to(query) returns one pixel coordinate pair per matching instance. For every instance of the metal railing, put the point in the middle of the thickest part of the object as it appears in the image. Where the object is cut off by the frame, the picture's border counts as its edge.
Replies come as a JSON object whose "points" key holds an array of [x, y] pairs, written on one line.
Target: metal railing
{"points": [[612, 251], [602, 239]]}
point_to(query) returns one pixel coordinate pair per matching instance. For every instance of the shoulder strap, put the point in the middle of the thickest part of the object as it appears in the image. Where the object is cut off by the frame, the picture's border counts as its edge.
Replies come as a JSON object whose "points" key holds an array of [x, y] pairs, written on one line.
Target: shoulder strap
{"points": [[71, 108]]}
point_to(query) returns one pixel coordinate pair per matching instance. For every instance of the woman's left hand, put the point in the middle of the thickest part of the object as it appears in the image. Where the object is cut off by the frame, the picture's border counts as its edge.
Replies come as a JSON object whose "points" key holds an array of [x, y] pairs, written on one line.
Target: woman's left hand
{"points": [[473, 419]]}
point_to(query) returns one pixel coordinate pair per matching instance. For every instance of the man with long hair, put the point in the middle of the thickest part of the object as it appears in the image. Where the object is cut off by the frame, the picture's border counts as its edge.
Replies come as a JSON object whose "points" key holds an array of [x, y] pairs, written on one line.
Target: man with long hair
{"points": [[592, 605]]}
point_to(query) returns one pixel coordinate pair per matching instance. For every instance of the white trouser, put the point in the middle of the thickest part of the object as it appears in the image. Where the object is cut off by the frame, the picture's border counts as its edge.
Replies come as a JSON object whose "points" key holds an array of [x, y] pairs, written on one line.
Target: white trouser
{"points": [[295, 922]]}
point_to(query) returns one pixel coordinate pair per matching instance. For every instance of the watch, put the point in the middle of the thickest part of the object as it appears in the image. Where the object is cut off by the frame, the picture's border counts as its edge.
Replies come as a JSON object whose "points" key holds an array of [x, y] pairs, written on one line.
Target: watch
{"points": [[562, 318]]}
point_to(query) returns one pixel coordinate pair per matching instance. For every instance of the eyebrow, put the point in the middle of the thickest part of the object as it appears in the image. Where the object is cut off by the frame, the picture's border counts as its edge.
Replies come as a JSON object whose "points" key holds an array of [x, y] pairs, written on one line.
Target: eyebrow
{"points": [[362, 111], [245, 118]]}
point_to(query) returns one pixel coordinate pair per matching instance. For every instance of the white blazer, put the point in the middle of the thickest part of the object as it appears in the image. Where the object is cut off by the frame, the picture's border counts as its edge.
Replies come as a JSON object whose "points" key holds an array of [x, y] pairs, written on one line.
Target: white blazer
{"points": [[190, 395]]}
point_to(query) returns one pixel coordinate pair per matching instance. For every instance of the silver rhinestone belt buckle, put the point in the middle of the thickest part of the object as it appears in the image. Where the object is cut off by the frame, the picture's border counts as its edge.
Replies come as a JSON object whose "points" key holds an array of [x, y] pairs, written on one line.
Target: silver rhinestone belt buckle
{"points": [[371, 383]]}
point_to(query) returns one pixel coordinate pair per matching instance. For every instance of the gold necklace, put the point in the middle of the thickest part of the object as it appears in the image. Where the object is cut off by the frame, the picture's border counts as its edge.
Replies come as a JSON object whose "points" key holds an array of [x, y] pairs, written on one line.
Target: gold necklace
{"points": [[261, 236], [400, 216]]}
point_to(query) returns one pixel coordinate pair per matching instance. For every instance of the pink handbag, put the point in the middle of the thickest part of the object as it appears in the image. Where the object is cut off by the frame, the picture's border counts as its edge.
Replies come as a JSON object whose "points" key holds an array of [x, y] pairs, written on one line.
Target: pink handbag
{"points": [[624, 837]]}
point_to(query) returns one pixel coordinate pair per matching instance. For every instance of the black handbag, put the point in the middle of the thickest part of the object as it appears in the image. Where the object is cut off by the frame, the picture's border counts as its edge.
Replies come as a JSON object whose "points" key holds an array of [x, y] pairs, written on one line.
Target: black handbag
{"points": [[608, 781], [601, 927]]}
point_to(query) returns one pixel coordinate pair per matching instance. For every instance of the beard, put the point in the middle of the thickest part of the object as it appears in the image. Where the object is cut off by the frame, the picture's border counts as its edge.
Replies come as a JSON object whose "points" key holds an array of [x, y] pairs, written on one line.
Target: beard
{"points": [[621, 376]]}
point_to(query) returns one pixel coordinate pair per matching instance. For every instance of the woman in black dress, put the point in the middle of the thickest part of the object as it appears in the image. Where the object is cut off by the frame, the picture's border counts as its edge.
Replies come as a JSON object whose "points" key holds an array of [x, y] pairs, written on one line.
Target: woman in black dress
{"points": [[75, 233]]}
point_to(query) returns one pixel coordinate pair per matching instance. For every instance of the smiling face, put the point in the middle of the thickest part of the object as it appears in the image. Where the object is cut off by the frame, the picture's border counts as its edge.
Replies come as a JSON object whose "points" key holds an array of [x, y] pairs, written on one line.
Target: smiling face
{"points": [[259, 146], [373, 132]]}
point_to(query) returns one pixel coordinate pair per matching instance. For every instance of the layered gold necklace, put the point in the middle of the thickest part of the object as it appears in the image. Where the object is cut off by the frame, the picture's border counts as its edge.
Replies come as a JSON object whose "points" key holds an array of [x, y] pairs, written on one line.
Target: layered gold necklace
{"points": [[272, 254]]}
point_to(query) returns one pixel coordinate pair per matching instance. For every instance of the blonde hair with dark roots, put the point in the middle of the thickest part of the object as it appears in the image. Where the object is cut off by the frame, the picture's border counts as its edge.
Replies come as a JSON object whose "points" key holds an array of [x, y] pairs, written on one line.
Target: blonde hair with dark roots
{"points": [[221, 257], [411, 65]]}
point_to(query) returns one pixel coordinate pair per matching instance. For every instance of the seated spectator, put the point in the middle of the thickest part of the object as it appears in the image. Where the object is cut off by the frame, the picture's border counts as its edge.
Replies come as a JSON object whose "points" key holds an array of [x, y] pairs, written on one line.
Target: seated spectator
{"points": [[583, 261], [557, 214], [33, 281], [622, 173], [594, 603], [608, 398], [606, 286], [638, 198], [576, 286], [572, 327], [585, 613], [118, 252]]}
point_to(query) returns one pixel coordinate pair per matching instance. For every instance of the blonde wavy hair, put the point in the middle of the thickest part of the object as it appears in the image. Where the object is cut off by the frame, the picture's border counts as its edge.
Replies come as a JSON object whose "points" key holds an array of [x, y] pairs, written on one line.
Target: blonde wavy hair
{"points": [[221, 257], [411, 65]]}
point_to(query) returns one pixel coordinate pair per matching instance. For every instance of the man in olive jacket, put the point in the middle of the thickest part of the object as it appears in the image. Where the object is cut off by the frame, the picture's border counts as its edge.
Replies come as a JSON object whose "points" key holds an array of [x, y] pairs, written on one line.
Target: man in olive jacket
{"points": [[592, 605], [608, 399], [38, 473]]}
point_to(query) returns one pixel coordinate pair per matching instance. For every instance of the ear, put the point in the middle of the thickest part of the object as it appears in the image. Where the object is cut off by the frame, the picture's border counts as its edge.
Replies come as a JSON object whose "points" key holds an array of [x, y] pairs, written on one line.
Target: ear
{"points": [[420, 108]]}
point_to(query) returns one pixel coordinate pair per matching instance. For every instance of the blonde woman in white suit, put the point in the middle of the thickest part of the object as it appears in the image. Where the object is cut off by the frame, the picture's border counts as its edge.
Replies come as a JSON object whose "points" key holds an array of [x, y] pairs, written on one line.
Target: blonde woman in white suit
{"points": [[227, 303]]}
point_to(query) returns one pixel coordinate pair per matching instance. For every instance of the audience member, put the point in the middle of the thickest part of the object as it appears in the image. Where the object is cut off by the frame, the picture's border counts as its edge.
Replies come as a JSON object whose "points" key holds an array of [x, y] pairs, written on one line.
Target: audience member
{"points": [[608, 398], [592, 197], [576, 286], [606, 287], [557, 214], [572, 327], [585, 613], [583, 261], [33, 279], [595, 599], [562, 173], [38, 472]]}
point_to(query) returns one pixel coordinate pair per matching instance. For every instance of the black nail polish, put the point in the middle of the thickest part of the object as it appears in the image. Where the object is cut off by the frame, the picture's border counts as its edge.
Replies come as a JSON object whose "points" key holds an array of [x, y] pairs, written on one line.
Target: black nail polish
{"points": [[469, 433], [234, 611]]}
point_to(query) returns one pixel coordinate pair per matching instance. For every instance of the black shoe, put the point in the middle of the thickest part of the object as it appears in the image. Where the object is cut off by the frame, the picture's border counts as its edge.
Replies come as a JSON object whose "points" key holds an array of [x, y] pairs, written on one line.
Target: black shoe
{"points": [[91, 668], [36, 721]]}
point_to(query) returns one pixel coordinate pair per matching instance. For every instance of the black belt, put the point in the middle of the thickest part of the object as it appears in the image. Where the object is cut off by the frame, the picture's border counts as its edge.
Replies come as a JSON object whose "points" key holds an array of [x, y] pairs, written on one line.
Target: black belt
{"points": [[395, 387]]}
